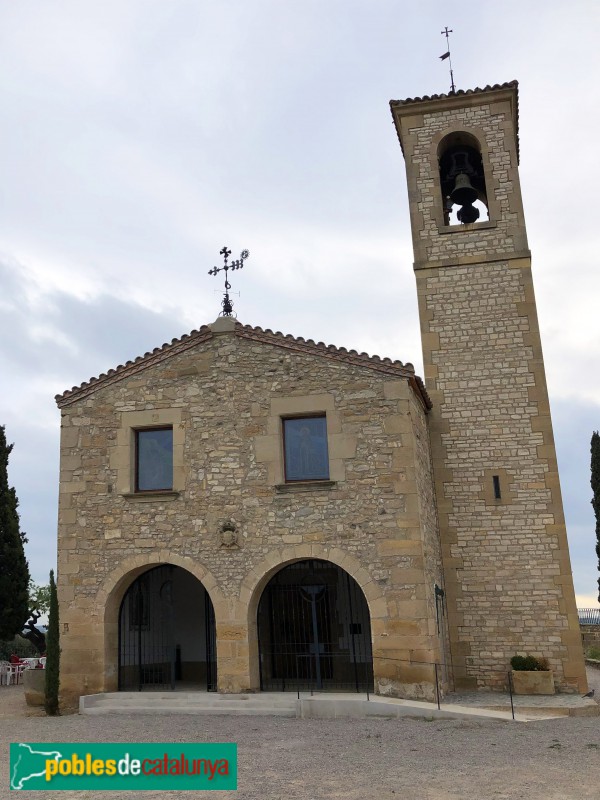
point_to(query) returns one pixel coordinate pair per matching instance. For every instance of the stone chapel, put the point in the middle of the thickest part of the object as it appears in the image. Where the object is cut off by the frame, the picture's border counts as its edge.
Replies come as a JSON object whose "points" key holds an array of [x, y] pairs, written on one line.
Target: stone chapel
{"points": [[242, 510]]}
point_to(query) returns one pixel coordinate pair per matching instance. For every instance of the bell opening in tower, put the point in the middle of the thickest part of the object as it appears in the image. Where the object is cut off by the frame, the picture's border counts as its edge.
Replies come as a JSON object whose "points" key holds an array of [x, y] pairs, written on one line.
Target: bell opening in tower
{"points": [[462, 180]]}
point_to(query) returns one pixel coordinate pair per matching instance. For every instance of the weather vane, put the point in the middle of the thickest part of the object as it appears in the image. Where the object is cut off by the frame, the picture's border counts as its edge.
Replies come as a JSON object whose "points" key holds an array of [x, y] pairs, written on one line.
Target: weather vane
{"points": [[226, 303], [446, 55]]}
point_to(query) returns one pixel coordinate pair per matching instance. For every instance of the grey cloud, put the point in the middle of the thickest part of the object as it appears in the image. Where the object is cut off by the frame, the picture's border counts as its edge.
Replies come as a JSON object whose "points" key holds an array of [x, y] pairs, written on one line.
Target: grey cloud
{"points": [[100, 333], [139, 138], [103, 332]]}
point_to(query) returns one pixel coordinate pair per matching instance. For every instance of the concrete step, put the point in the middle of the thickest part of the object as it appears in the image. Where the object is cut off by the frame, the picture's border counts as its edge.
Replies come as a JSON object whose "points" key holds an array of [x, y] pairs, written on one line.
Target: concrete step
{"points": [[165, 709], [319, 706], [266, 704], [203, 698]]}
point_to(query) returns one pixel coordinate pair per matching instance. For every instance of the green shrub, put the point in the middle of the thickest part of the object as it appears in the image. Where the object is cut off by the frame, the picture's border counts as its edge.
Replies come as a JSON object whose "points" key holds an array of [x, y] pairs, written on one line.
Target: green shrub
{"points": [[53, 653], [14, 572], [593, 652], [529, 664], [19, 647]]}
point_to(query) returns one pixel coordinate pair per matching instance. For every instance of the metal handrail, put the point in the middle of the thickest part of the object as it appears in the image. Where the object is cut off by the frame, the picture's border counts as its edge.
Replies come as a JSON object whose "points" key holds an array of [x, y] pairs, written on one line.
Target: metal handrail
{"points": [[589, 616], [307, 683]]}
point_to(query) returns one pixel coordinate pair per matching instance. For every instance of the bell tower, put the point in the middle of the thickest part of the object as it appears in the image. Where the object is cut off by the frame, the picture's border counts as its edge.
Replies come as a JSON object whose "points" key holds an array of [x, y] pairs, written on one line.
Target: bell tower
{"points": [[508, 581]]}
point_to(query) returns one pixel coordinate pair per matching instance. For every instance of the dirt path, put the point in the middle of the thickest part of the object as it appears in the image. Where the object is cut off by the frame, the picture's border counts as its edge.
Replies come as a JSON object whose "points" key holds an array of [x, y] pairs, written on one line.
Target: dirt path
{"points": [[353, 759]]}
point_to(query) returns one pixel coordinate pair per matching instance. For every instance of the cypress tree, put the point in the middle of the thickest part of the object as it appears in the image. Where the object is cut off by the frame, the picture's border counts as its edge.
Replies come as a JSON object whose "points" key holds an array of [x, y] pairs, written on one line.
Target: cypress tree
{"points": [[52, 653], [595, 482], [14, 572]]}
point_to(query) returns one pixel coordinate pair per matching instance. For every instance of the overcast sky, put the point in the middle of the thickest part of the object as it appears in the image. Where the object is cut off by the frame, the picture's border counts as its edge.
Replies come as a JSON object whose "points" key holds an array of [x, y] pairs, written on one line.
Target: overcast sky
{"points": [[140, 136]]}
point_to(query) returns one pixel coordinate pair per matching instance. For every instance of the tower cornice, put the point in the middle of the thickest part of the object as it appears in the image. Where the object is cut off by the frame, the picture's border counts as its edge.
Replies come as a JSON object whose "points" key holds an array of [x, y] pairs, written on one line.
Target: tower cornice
{"points": [[461, 99]]}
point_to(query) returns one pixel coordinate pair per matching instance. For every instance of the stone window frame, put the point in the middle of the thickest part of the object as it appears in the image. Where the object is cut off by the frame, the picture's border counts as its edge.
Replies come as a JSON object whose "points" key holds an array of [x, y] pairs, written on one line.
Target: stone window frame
{"points": [[136, 457], [289, 418], [123, 455], [505, 480], [268, 448]]}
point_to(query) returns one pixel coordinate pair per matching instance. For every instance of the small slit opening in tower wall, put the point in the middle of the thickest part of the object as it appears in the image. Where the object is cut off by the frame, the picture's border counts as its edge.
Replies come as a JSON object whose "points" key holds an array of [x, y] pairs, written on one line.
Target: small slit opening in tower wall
{"points": [[496, 482]]}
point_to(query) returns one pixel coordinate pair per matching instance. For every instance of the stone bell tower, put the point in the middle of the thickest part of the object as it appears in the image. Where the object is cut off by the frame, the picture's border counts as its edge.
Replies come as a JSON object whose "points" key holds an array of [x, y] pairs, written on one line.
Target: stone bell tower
{"points": [[508, 581]]}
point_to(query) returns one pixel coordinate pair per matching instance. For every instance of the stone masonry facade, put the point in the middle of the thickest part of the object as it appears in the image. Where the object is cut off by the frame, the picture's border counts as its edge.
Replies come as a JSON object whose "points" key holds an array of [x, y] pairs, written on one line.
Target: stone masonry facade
{"points": [[443, 504], [225, 390], [506, 563]]}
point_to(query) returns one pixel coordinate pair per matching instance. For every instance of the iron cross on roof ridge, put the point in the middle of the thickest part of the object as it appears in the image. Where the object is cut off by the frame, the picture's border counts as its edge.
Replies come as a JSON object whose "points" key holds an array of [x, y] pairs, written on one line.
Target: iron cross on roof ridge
{"points": [[237, 264]]}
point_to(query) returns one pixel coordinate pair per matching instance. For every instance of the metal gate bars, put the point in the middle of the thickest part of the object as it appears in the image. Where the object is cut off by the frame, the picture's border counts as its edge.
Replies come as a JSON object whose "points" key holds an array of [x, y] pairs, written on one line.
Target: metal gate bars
{"points": [[314, 630], [313, 627], [166, 632]]}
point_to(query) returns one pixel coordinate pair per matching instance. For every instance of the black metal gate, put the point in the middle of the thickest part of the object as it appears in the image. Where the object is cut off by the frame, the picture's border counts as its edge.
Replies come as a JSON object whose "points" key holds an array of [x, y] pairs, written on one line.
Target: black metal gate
{"points": [[314, 630], [150, 657]]}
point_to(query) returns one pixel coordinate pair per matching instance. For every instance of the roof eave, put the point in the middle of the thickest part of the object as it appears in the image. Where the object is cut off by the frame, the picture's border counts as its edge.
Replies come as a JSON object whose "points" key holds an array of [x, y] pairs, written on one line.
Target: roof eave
{"points": [[395, 369], [460, 98]]}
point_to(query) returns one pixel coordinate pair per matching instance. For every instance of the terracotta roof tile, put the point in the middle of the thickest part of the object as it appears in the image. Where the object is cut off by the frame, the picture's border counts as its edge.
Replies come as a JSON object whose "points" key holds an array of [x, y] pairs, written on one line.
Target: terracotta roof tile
{"points": [[266, 336], [458, 93], [464, 93]]}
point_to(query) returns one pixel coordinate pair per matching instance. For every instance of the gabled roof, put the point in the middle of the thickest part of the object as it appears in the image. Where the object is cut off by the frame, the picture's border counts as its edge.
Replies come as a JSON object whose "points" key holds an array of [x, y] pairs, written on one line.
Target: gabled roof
{"points": [[462, 93], [395, 369]]}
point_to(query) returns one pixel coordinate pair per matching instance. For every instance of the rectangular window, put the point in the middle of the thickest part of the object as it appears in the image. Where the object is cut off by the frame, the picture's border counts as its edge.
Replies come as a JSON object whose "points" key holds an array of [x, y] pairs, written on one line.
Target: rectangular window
{"points": [[305, 449], [154, 460], [496, 482]]}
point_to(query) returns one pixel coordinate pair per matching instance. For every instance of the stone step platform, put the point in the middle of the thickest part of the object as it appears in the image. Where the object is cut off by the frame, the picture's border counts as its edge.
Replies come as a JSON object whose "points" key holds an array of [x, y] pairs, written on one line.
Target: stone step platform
{"points": [[281, 704], [557, 705], [276, 704]]}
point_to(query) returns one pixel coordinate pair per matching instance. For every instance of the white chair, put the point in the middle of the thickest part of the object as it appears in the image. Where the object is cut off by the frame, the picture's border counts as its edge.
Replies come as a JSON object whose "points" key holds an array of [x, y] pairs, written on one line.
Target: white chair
{"points": [[5, 673], [10, 673], [19, 670]]}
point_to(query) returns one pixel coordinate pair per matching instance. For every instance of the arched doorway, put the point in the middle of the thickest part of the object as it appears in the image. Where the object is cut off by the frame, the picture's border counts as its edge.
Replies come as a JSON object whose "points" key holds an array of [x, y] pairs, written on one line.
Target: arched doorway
{"points": [[314, 630], [167, 633]]}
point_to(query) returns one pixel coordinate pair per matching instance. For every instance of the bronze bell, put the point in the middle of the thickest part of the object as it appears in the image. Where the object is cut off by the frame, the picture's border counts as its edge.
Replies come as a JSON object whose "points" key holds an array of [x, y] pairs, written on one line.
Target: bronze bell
{"points": [[467, 214], [463, 193]]}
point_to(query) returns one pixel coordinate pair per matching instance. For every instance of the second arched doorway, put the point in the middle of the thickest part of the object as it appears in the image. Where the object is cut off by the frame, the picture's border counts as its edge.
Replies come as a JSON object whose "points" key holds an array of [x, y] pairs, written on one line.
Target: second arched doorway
{"points": [[314, 630], [167, 633]]}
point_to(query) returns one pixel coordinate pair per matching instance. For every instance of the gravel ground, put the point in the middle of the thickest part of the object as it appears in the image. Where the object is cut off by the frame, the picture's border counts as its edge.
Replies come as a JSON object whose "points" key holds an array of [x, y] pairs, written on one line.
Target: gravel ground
{"points": [[321, 759]]}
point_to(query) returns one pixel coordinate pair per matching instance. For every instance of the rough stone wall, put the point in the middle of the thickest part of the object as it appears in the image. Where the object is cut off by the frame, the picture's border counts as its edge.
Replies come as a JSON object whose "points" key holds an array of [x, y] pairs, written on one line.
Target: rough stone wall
{"points": [[223, 399], [506, 562], [508, 554], [432, 562], [489, 118], [590, 636], [440, 245]]}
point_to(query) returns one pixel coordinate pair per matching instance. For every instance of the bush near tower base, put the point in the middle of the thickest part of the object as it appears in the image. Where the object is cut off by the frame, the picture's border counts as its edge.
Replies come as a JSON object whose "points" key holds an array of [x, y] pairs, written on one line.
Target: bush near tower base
{"points": [[529, 664]]}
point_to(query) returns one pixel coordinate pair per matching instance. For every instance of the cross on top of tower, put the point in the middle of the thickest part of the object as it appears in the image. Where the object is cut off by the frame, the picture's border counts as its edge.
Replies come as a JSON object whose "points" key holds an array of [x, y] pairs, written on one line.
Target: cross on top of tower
{"points": [[237, 264], [446, 55]]}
